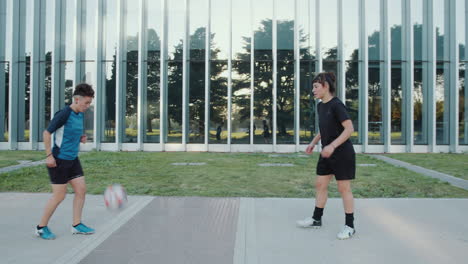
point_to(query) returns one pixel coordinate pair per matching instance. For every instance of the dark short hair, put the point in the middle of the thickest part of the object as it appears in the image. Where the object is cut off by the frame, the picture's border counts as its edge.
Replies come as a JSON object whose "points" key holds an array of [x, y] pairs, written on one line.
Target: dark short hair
{"points": [[328, 77], [84, 89]]}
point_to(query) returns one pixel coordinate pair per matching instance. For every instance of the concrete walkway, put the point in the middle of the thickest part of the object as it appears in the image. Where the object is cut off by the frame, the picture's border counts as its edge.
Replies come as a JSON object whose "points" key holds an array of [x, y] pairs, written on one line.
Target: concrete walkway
{"points": [[458, 182], [236, 231], [23, 164]]}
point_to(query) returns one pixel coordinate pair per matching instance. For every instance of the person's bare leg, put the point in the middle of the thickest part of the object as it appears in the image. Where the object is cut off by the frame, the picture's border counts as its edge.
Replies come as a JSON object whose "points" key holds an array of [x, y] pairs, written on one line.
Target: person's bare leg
{"points": [[344, 187], [321, 190], [59, 192], [79, 187]]}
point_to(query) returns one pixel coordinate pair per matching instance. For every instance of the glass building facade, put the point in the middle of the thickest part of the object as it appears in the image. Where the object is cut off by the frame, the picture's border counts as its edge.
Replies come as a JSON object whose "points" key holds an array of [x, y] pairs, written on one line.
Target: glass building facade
{"points": [[235, 75]]}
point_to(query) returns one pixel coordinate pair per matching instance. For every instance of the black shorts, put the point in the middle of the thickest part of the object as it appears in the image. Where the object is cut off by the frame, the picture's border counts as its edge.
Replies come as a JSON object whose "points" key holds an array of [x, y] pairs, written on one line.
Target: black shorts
{"points": [[65, 171], [342, 163]]}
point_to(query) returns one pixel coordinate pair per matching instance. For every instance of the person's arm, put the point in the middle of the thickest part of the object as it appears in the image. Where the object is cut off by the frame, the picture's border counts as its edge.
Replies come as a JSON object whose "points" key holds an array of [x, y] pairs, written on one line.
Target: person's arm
{"points": [[348, 130], [50, 160], [312, 144]]}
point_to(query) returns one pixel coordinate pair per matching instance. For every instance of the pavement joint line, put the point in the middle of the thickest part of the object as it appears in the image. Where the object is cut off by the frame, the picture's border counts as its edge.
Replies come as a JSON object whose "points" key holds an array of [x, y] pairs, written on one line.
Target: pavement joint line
{"points": [[90, 243], [457, 182], [245, 247], [241, 230]]}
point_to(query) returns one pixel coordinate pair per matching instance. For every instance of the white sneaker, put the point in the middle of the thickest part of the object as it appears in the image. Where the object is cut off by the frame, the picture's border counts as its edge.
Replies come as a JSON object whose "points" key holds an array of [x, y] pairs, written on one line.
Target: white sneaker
{"points": [[346, 232], [309, 222]]}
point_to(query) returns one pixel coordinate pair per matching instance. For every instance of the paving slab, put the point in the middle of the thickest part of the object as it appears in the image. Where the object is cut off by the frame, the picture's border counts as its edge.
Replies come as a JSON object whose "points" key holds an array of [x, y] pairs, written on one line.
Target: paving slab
{"points": [[174, 230], [236, 231], [21, 212], [388, 231]]}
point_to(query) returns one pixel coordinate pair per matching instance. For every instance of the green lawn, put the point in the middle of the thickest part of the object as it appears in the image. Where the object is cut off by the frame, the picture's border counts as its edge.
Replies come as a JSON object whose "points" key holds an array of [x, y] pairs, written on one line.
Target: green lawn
{"points": [[10, 158], [228, 175], [452, 164]]}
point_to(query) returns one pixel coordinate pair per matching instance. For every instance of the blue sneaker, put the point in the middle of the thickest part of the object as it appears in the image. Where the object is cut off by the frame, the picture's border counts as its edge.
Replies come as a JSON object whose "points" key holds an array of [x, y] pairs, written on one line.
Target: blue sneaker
{"points": [[82, 229], [45, 233]]}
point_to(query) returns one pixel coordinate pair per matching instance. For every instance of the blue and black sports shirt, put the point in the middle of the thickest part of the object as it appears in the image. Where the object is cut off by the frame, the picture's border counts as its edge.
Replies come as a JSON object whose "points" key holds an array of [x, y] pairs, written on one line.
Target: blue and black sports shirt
{"points": [[67, 126]]}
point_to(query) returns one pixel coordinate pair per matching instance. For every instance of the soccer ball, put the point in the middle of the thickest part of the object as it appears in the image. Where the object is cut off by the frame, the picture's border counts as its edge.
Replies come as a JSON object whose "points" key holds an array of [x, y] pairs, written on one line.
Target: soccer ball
{"points": [[115, 197]]}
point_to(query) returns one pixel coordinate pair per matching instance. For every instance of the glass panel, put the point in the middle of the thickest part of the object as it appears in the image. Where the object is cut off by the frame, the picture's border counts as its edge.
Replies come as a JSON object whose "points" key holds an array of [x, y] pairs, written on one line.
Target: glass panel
{"points": [[218, 102], [47, 102], [153, 103], [133, 19], [396, 105], [241, 30], [417, 21], [70, 30], [111, 30], [176, 18], [351, 26], [463, 101], [241, 74], [263, 25], [24, 97], [131, 118], [352, 97], [154, 31], [440, 27], [69, 81], [241, 95], [131, 92], [197, 102], [461, 28], [263, 68], [330, 66], [174, 88], [285, 103], [8, 19], [198, 21], [49, 28], [418, 88], [375, 128], [373, 30], [307, 103], [46, 99], [25, 72], [442, 104], [329, 36], [89, 29], [375, 105], [285, 30], [306, 25], [285, 72], [418, 100], [108, 101], [89, 78], [263, 108], [395, 20], [176, 29], [463, 106], [152, 115], [198, 14], [3, 74], [29, 23], [4, 104], [220, 13]]}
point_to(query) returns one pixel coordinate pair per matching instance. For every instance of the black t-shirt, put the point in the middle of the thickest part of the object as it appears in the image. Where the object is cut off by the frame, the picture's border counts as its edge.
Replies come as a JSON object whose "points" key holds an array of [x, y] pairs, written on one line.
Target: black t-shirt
{"points": [[331, 115]]}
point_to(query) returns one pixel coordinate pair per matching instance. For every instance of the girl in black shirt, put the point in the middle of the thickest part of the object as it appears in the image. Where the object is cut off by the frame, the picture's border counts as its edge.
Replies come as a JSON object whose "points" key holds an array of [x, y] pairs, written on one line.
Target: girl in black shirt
{"points": [[337, 157]]}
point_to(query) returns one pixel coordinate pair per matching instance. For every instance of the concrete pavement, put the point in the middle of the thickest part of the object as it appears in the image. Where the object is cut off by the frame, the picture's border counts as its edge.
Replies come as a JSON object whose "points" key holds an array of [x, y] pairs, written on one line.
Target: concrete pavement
{"points": [[236, 230]]}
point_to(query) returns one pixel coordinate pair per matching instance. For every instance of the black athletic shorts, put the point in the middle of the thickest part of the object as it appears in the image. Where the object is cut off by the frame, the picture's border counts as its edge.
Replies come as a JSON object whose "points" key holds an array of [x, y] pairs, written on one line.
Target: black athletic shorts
{"points": [[65, 171], [342, 163]]}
